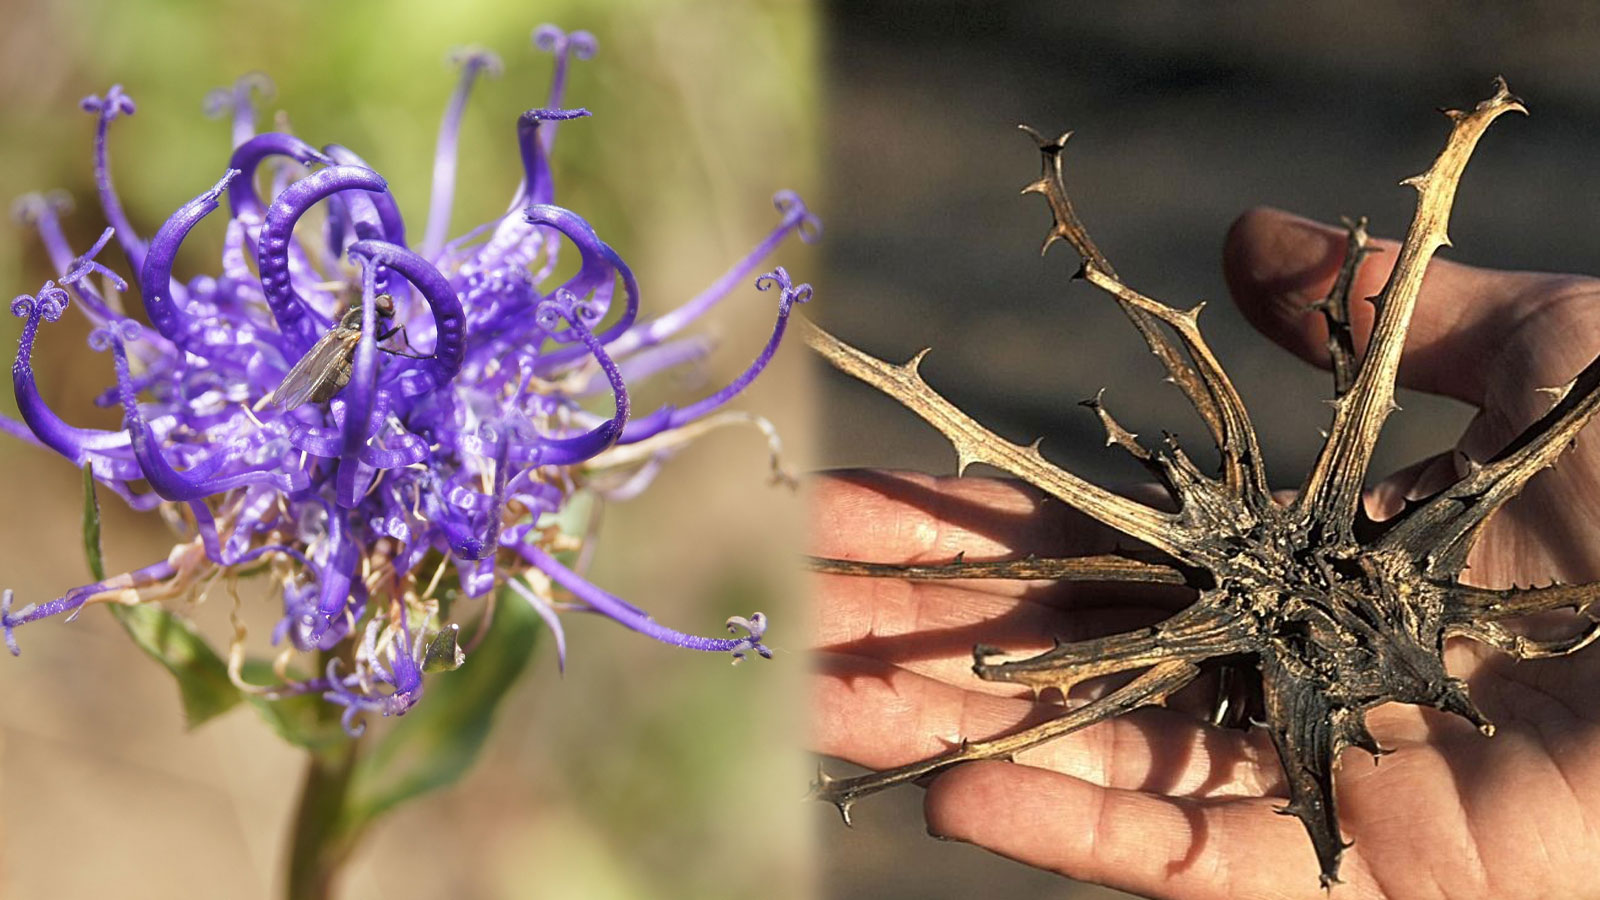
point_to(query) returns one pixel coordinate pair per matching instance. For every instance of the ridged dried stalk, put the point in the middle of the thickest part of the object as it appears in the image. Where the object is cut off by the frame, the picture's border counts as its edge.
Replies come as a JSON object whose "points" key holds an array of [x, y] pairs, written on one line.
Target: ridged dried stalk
{"points": [[1328, 612]]}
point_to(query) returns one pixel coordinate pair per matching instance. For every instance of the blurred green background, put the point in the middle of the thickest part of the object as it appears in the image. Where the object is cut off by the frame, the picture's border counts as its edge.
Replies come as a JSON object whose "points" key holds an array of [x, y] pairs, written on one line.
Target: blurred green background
{"points": [[644, 772]]}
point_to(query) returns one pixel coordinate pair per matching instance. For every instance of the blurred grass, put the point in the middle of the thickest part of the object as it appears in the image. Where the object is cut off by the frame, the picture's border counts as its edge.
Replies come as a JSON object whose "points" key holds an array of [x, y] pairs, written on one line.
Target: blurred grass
{"points": [[644, 772]]}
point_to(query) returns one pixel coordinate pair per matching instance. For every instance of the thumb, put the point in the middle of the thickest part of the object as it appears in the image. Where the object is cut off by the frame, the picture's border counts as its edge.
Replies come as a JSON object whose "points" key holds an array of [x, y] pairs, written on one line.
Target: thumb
{"points": [[1277, 265]]}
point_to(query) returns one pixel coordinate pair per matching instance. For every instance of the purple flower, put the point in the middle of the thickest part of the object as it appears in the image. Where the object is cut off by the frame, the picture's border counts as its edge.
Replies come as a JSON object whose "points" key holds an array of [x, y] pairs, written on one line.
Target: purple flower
{"points": [[355, 415]]}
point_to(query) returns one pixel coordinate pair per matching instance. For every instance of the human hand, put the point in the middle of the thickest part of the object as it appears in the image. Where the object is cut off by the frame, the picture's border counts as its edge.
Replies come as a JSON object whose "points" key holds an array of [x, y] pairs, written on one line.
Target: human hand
{"points": [[1158, 803]]}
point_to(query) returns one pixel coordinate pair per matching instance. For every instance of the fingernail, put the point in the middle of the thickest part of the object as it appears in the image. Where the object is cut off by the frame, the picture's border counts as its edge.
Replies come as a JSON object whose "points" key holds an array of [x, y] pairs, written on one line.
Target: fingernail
{"points": [[1274, 253]]}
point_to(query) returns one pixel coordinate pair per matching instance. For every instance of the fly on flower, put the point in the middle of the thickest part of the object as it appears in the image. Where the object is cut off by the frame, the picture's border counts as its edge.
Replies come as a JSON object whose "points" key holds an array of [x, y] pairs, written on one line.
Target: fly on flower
{"points": [[325, 369], [262, 416]]}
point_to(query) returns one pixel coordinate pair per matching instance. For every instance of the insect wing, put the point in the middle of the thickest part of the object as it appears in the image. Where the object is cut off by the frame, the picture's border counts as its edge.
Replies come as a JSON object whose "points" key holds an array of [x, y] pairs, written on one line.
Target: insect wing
{"points": [[319, 371]]}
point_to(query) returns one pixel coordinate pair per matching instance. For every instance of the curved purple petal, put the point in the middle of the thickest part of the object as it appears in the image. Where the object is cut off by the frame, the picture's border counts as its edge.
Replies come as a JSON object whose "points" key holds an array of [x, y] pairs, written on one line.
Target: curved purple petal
{"points": [[155, 276], [473, 61], [277, 233], [112, 106], [243, 201], [449, 321], [669, 417]]}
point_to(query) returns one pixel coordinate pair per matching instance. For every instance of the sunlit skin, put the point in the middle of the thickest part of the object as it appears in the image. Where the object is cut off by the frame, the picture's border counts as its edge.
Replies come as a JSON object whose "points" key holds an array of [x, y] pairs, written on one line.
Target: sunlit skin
{"points": [[1157, 802]]}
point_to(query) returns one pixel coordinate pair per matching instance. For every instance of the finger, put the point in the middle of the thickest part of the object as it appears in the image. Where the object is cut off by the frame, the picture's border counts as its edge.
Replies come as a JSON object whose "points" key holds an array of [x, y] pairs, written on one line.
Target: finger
{"points": [[1134, 841], [1277, 265], [879, 716], [906, 517], [1417, 481]]}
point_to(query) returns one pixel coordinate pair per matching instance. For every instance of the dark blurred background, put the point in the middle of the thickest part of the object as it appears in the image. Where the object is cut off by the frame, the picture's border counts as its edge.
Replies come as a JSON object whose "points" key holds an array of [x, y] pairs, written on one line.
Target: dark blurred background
{"points": [[1183, 120]]}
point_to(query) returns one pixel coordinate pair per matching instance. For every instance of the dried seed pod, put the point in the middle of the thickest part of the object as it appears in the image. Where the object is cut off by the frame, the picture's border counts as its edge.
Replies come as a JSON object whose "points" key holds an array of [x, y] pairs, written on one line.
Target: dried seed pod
{"points": [[1331, 613]]}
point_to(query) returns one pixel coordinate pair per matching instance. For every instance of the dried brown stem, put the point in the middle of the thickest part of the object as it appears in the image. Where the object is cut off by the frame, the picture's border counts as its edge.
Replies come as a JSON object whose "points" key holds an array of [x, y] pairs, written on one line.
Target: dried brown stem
{"points": [[1522, 647], [1204, 382], [976, 444], [1159, 467], [1308, 740], [1444, 528], [1102, 568], [1464, 603], [1242, 470], [1332, 492], [1150, 688], [1200, 632], [1335, 307]]}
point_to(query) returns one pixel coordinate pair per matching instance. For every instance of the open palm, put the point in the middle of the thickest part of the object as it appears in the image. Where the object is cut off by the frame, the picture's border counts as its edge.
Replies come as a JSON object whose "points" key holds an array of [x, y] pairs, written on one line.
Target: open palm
{"points": [[1158, 803]]}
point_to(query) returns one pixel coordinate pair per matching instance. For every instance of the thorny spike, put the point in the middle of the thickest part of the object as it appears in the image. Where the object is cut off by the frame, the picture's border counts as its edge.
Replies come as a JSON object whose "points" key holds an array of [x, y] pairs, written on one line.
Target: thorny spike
{"points": [[1196, 634], [1464, 604], [1312, 626], [974, 443], [1335, 307], [1113, 568], [1116, 435], [1522, 647], [1162, 466], [1236, 439], [1332, 491], [1148, 689], [1446, 526], [1202, 380], [1353, 731]]}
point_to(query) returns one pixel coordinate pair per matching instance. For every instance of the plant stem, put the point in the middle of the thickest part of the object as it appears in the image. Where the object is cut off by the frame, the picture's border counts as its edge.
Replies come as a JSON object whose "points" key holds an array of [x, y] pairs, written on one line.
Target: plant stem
{"points": [[319, 843]]}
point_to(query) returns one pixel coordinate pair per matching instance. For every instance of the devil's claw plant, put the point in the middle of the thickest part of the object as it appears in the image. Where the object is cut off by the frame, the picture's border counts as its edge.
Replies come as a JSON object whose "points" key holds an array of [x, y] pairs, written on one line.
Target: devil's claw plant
{"points": [[1310, 605], [383, 429]]}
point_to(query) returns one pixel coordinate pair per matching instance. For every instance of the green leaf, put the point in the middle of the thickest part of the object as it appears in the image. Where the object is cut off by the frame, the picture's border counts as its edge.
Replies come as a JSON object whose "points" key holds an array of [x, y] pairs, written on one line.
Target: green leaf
{"points": [[202, 677], [444, 653], [91, 527], [438, 742]]}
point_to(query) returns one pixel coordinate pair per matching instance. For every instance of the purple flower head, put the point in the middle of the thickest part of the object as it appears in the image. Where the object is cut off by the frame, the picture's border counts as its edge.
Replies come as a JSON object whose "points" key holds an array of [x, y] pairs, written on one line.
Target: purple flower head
{"points": [[358, 416]]}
